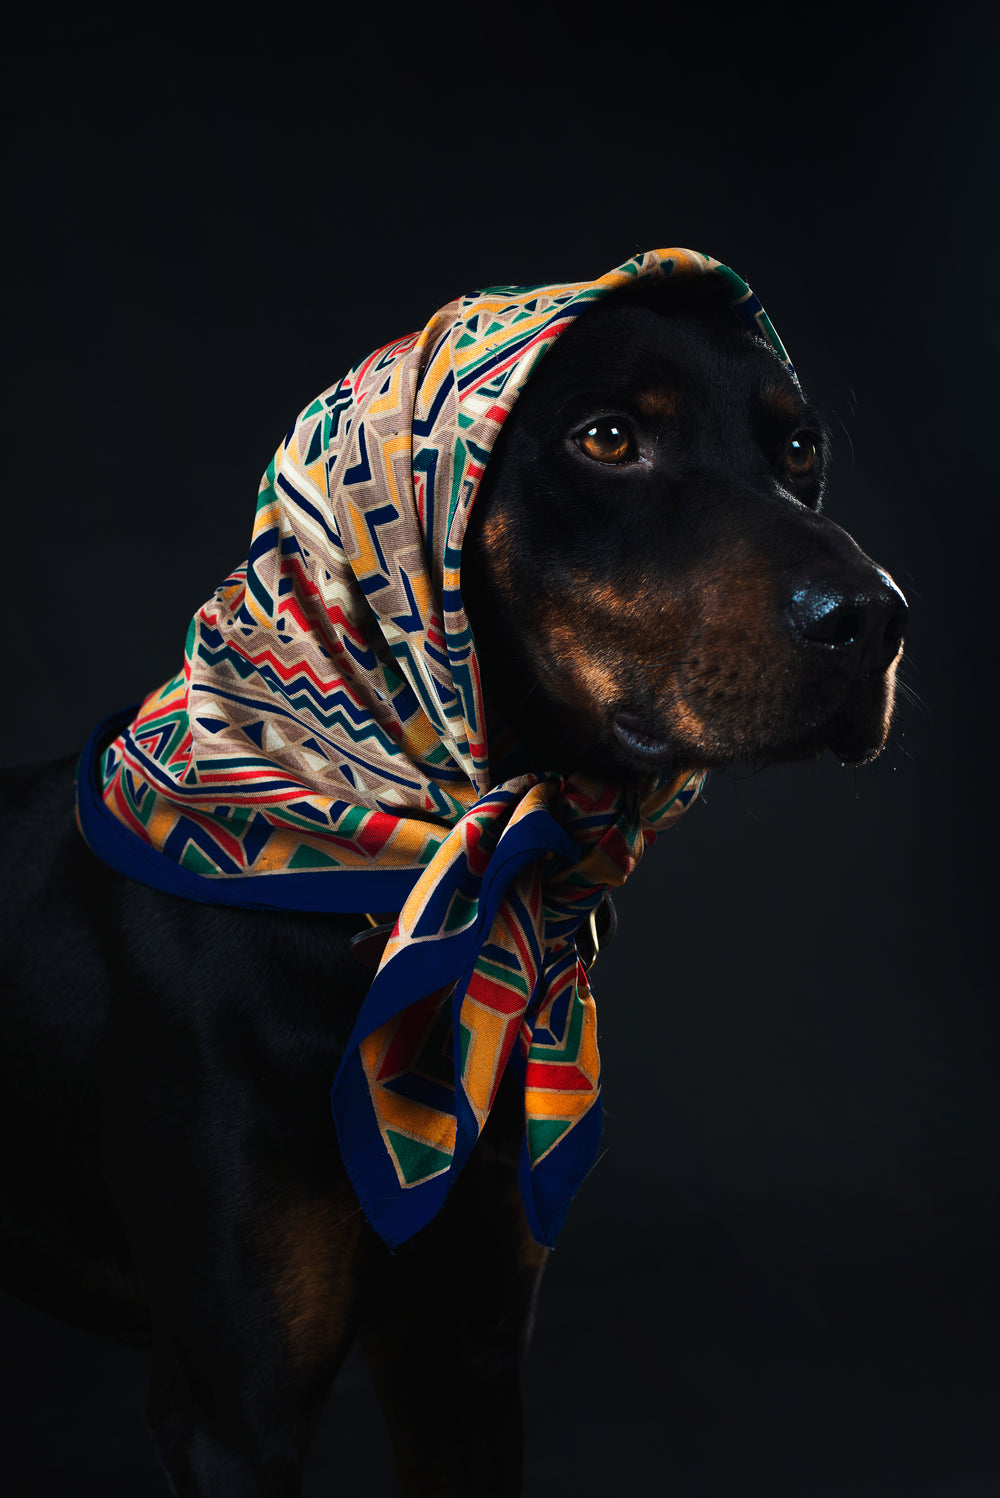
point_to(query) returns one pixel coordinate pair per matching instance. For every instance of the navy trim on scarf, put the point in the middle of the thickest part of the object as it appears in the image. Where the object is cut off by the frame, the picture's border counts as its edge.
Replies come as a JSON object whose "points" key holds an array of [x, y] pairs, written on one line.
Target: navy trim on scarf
{"points": [[349, 891]]}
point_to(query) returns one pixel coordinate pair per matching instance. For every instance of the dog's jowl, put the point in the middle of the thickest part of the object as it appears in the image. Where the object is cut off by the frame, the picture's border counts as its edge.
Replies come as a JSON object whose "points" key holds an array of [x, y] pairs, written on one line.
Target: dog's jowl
{"points": [[300, 1042]]}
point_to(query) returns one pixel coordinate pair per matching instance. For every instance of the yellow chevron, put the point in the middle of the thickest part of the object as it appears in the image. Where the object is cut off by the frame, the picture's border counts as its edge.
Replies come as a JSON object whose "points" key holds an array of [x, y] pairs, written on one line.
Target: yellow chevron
{"points": [[486, 1032], [568, 1105], [278, 849], [419, 735], [366, 562], [161, 823], [416, 1119], [391, 401], [434, 375], [391, 447]]}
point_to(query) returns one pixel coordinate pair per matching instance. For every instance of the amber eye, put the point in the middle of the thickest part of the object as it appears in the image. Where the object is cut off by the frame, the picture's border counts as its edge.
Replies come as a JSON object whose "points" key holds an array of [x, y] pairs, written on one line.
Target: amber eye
{"points": [[607, 441], [801, 452]]}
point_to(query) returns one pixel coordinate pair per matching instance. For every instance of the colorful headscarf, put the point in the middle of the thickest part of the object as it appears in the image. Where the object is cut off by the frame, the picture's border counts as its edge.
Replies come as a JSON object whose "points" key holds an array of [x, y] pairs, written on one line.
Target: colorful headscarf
{"points": [[325, 748]]}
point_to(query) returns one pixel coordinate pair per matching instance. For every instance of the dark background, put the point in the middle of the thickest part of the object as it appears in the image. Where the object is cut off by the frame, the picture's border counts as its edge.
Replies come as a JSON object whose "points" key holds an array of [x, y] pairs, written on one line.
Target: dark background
{"points": [[780, 1279]]}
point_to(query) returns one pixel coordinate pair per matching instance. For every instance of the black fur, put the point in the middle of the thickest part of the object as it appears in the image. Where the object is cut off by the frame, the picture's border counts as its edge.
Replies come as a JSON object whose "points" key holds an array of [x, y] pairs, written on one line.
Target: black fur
{"points": [[174, 1174]]}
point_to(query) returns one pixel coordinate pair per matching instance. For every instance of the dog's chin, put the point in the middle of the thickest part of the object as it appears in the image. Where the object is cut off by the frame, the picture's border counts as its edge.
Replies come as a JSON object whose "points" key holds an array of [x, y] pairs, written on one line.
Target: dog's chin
{"points": [[851, 740], [854, 747], [632, 754], [856, 732], [630, 748]]}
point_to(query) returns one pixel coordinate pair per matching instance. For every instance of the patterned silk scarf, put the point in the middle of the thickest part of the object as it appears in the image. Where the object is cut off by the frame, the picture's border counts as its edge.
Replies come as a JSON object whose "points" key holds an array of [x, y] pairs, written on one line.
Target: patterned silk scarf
{"points": [[324, 748]]}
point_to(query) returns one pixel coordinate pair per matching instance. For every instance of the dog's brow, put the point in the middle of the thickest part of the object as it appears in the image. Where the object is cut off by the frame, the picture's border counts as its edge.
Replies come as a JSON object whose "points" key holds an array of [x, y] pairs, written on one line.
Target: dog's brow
{"points": [[784, 401], [658, 402]]}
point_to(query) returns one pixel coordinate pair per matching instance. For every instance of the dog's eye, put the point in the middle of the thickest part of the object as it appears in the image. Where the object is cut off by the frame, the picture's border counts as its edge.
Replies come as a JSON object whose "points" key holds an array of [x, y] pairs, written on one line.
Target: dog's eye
{"points": [[801, 452], [607, 441]]}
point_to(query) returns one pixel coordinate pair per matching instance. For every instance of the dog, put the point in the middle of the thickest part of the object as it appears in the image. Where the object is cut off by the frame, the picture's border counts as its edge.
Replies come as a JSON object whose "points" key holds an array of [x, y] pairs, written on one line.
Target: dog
{"points": [[652, 588]]}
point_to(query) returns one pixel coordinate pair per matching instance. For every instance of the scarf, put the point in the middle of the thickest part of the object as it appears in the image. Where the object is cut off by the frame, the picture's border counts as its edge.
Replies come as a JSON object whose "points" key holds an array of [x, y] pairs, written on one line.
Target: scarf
{"points": [[325, 748]]}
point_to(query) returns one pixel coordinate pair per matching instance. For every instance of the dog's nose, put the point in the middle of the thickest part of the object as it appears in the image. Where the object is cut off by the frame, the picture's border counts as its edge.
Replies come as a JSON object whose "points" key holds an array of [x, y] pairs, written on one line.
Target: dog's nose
{"points": [[851, 616]]}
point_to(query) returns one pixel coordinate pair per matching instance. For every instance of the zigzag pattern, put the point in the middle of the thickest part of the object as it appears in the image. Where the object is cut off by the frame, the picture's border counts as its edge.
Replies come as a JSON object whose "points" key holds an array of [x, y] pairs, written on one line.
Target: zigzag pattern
{"points": [[329, 717]]}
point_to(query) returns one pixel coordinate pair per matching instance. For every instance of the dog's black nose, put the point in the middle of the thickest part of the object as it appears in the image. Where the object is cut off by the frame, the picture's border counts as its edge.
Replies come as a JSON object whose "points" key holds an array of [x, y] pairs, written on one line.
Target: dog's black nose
{"points": [[848, 615]]}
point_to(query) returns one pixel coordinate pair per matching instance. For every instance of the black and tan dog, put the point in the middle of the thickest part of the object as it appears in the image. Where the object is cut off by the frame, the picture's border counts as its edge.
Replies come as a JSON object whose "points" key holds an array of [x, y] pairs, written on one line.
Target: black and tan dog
{"points": [[649, 534]]}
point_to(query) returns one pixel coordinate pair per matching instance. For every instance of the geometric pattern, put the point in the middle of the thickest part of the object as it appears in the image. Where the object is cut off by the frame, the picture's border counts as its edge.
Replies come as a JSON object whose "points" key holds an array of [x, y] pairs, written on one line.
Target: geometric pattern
{"points": [[410, 1064], [329, 720]]}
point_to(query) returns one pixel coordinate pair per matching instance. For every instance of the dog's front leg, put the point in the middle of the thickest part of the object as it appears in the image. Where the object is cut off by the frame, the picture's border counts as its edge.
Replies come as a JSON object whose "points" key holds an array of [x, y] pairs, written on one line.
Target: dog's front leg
{"points": [[247, 1237], [254, 1308], [445, 1325]]}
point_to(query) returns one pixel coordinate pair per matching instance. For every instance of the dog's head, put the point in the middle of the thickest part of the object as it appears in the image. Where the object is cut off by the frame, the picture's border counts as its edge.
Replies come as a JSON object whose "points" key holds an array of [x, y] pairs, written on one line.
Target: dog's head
{"points": [[649, 577]]}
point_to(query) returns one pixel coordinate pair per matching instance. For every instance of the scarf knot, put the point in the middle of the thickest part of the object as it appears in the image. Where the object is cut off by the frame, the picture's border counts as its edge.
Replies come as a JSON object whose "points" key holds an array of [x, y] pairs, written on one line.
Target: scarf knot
{"points": [[488, 937], [605, 824]]}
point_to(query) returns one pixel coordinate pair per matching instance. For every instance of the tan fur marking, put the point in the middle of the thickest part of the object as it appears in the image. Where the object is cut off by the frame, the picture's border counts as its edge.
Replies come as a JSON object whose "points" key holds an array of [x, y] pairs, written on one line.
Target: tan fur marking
{"points": [[565, 652], [783, 402], [496, 541], [314, 1247], [710, 658], [618, 603], [684, 721], [659, 404]]}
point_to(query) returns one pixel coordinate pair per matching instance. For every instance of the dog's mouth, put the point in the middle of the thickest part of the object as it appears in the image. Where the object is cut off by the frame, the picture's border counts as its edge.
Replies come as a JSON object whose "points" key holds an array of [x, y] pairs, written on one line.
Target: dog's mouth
{"points": [[640, 743], [858, 742], [641, 738]]}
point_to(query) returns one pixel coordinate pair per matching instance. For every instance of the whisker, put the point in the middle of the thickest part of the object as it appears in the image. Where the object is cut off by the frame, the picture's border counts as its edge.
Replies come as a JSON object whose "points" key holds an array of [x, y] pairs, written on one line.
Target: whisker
{"points": [[910, 695], [850, 440]]}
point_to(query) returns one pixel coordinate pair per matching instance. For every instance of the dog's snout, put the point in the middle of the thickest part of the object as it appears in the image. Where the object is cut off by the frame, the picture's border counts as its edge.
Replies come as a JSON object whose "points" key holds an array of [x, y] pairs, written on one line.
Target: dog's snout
{"points": [[865, 618]]}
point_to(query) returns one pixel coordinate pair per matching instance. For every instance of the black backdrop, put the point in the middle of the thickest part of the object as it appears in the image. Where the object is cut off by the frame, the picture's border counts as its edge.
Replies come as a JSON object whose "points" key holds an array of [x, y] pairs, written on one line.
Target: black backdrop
{"points": [[779, 1280]]}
